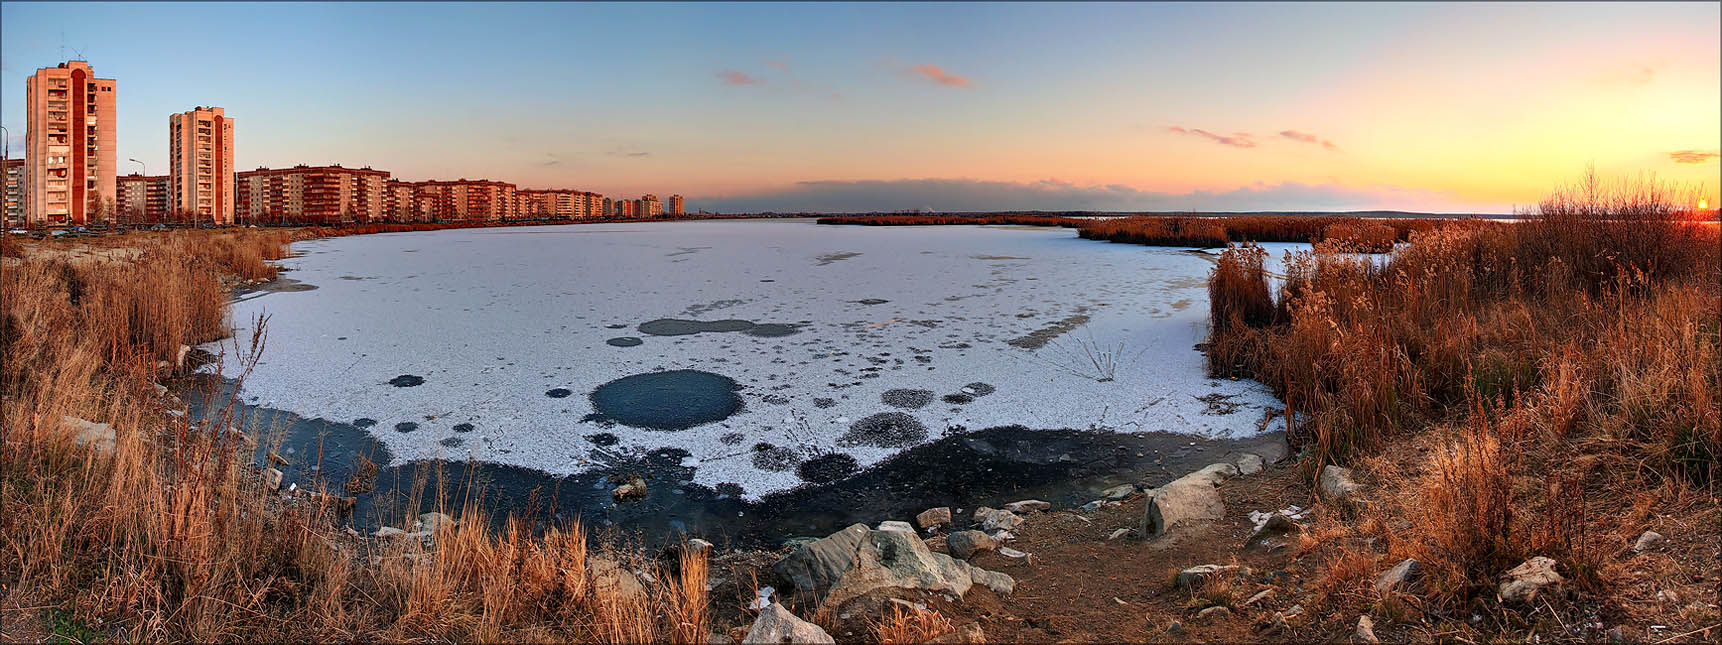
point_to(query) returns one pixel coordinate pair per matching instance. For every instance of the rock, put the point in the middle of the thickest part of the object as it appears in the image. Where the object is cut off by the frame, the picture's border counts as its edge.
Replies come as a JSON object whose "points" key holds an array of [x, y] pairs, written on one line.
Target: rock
{"points": [[272, 479], [389, 532], [856, 561], [1091, 506], [894, 525], [433, 522], [1117, 534], [1400, 575], [1278, 524], [1260, 596], [1336, 484], [98, 437], [1647, 541], [1524, 583], [1215, 613], [1193, 577], [1013, 556], [634, 487], [179, 356], [278, 459], [1365, 630], [1248, 463], [999, 583], [1026, 506], [1189, 498], [932, 517], [996, 519], [1217, 473], [1175, 627], [965, 544], [1120, 491], [1616, 635], [777, 625], [715, 638], [970, 634], [610, 579], [700, 546]]}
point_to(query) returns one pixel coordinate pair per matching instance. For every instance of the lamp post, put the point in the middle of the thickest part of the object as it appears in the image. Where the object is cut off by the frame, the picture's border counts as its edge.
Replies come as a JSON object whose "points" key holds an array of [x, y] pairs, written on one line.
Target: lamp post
{"points": [[6, 156], [144, 173]]}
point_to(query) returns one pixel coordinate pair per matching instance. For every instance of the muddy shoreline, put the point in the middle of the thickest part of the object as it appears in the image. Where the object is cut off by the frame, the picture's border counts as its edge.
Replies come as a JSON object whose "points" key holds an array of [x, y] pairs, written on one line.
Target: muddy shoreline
{"points": [[964, 469]]}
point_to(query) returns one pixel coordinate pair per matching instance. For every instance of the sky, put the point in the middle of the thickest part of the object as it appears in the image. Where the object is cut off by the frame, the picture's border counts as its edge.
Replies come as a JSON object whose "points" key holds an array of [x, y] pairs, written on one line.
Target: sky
{"points": [[1441, 107]]}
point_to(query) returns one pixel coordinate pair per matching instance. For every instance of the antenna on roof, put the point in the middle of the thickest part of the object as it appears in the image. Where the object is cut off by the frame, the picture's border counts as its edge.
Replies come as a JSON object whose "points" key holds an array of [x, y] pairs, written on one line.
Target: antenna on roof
{"points": [[79, 51]]}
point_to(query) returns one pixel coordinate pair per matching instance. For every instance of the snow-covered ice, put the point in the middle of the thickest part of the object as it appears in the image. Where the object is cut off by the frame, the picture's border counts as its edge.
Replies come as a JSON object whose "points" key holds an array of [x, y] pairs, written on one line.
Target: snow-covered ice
{"points": [[954, 327]]}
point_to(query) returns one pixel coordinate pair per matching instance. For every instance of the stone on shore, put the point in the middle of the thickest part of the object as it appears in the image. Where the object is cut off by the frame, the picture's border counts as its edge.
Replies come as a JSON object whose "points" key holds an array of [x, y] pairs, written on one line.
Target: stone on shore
{"points": [[1118, 492], [777, 625], [272, 479], [1248, 463], [1365, 630], [932, 517], [98, 437], [1336, 484], [895, 525], [433, 522], [611, 579], [992, 519], [1193, 577], [1215, 612], [965, 544], [1400, 575], [1277, 525], [855, 561], [1528, 581], [1647, 541], [1027, 506], [1190, 498]]}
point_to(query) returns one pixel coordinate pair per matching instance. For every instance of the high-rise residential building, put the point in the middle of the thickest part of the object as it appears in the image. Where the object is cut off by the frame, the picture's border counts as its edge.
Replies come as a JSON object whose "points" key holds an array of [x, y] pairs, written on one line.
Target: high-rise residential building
{"points": [[14, 192], [142, 199], [650, 207], [311, 195], [606, 207], [558, 203], [677, 209], [468, 200], [400, 202], [200, 165], [69, 145]]}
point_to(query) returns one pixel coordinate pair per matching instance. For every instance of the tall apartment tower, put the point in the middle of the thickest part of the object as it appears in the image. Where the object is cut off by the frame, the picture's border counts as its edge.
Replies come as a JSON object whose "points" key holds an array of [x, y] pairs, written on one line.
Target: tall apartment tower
{"points": [[69, 145], [200, 165], [677, 208], [15, 192]]}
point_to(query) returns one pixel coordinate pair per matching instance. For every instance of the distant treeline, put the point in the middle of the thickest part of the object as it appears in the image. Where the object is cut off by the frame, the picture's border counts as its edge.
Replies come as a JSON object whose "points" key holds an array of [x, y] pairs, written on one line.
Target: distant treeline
{"points": [[1359, 234]]}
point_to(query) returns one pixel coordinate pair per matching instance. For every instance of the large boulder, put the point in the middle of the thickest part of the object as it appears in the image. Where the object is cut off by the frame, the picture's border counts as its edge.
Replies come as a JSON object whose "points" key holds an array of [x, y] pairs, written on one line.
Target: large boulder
{"points": [[611, 580], [1024, 507], [992, 519], [1528, 581], [435, 522], [777, 625], [1400, 575], [932, 517], [856, 561], [98, 437], [1190, 498]]}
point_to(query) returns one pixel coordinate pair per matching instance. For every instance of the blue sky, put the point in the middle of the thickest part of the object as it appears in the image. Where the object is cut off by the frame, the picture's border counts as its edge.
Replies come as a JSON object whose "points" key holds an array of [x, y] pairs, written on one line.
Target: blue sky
{"points": [[841, 106]]}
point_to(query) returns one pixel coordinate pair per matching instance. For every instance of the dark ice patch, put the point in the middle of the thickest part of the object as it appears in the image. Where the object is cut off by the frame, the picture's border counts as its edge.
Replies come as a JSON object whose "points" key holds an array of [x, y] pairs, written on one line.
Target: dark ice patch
{"points": [[559, 393], [407, 380], [452, 442], [602, 439], [871, 301], [823, 403], [909, 399], [623, 341], [981, 389], [364, 422], [885, 430], [406, 426], [463, 427], [828, 468], [958, 398], [680, 327], [775, 459], [731, 438], [671, 400]]}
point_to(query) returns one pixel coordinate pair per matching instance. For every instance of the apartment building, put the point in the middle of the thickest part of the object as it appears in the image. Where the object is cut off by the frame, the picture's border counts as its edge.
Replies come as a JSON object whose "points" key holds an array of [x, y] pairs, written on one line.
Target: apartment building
{"points": [[69, 145], [311, 195], [14, 192], [143, 199], [677, 209], [467, 200], [559, 202], [401, 203], [650, 206], [200, 173]]}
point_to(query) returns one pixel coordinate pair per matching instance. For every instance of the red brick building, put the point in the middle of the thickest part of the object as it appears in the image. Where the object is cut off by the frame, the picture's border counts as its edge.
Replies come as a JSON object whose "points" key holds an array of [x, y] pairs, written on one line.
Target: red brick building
{"points": [[310, 195], [143, 199]]}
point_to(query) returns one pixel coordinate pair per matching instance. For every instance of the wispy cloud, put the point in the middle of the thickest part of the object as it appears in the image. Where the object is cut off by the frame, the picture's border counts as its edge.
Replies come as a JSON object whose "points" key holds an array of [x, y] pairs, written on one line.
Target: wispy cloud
{"points": [[732, 77], [1236, 140], [1305, 137], [550, 161], [1693, 157], [1635, 74], [938, 75], [1054, 195]]}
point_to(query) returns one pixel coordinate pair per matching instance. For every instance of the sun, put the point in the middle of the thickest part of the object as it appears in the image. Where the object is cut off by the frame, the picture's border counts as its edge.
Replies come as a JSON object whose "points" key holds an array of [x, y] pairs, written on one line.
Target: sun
{"points": [[1703, 204]]}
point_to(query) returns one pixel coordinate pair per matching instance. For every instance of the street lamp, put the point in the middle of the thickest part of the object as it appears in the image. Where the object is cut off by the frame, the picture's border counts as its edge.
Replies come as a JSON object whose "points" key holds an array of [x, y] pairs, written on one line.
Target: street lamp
{"points": [[6, 156]]}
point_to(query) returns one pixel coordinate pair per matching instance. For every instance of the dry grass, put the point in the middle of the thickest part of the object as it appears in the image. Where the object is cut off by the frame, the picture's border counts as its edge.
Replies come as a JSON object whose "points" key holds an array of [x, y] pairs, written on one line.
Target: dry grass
{"points": [[171, 535], [1556, 371], [913, 625]]}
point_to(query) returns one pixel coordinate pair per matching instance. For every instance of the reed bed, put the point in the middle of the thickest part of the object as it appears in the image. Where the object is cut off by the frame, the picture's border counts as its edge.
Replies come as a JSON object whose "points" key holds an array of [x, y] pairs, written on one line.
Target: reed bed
{"points": [[167, 531], [1566, 359]]}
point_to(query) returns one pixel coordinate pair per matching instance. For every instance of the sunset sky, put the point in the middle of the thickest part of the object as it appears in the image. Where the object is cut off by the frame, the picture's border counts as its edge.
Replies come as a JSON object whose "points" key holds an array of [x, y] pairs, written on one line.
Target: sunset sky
{"points": [[843, 107]]}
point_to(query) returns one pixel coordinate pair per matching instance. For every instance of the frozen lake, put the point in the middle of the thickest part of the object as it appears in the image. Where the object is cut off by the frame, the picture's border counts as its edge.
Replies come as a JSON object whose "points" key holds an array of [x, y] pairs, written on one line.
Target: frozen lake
{"points": [[772, 353]]}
